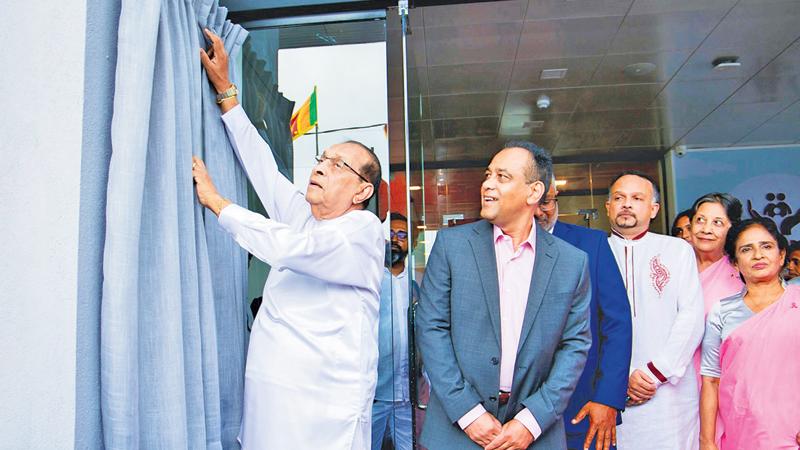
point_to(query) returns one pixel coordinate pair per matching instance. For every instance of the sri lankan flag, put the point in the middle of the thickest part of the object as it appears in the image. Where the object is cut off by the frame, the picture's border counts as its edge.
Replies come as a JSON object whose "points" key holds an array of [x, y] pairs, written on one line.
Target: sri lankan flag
{"points": [[304, 118]]}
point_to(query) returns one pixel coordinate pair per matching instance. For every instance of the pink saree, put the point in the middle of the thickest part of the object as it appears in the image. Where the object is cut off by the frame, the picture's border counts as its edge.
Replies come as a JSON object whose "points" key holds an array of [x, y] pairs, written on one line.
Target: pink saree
{"points": [[719, 280], [759, 390]]}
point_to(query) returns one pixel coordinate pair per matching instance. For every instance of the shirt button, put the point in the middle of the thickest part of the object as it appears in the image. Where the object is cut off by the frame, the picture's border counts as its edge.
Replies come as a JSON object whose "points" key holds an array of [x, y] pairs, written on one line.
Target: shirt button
{"points": [[495, 361], [492, 399]]}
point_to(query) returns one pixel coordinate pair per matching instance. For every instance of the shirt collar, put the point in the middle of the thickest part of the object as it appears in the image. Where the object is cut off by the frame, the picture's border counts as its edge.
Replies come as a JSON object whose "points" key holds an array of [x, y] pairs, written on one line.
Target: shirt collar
{"points": [[635, 238], [531, 241]]}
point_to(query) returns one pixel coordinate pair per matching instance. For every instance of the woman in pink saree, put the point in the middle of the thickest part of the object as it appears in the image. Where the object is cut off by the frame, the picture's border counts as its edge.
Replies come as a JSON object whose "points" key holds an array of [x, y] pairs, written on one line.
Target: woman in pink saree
{"points": [[751, 350], [711, 216]]}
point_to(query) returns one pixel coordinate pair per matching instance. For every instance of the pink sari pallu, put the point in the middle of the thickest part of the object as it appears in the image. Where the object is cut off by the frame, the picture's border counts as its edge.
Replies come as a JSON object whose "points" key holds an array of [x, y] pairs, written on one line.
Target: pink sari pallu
{"points": [[759, 390]]}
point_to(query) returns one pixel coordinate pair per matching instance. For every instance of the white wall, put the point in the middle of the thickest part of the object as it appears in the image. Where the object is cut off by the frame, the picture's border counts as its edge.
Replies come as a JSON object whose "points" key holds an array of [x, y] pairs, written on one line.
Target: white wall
{"points": [[40, 154]]}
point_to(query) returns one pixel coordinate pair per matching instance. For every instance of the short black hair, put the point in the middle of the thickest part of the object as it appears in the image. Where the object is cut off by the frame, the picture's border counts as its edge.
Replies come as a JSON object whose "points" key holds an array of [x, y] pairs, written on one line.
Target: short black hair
{"points": [[640, 174], [397, 216], [793, 247], [541, 165], [731, 204], [675, 231], [741, 227], [371, 170]]}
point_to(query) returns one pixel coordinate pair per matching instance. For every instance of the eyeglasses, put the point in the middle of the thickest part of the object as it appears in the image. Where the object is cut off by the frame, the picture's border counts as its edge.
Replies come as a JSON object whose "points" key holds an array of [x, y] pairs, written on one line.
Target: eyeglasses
{"points": [[548, 205], [339, 164], [401, 235]]}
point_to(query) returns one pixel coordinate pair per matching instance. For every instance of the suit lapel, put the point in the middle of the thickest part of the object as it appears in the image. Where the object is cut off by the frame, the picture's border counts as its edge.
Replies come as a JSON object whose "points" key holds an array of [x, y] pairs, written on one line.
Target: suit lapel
{"points": [[483, 250], [546, 253]]}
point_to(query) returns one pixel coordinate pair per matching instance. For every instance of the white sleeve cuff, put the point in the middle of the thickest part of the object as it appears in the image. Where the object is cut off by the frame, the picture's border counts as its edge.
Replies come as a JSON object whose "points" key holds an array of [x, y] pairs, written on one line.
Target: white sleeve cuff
{"points": [[233, 113], [526, 417], [230, 216], [473, 414]]}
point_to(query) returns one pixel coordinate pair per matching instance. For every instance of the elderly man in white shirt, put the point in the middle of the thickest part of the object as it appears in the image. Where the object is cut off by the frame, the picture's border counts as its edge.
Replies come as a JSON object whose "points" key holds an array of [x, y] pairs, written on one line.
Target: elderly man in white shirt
{"points": [[312, 360], [666, 302]]}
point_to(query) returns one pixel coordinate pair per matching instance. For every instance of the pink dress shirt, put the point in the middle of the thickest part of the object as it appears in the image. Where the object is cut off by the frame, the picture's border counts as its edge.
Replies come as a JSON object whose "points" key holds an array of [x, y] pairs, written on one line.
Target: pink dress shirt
{"points": [[514, 271]]}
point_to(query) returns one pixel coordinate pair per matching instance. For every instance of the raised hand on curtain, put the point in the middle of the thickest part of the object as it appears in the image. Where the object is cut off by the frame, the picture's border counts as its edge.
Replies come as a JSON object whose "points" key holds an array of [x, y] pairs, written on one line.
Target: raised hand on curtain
{"points": [[207, 193], [215, 61]]}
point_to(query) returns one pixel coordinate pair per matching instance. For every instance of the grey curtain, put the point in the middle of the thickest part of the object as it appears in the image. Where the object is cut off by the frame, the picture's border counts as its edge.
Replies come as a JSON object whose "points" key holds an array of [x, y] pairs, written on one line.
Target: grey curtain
{"points": [[172, 317]]}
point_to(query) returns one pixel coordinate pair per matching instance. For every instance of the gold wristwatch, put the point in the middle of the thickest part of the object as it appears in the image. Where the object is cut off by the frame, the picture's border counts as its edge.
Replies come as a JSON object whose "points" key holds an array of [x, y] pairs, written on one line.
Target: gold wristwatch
{"points": [[228, 93]]}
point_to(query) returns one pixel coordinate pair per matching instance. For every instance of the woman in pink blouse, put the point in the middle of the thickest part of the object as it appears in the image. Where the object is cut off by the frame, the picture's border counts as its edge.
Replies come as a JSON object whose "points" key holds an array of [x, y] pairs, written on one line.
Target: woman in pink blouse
{"points": [[713, 215]]}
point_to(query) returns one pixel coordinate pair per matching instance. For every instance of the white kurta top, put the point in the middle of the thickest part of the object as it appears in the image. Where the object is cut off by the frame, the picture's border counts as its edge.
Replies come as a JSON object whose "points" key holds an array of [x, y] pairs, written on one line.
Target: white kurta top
{"points": [[312, 360], [666, 300]]}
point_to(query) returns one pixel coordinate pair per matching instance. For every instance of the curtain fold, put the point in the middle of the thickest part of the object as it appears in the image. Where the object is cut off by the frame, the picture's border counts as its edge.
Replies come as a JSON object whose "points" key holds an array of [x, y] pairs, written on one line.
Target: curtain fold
{"points": [[173, 319]]}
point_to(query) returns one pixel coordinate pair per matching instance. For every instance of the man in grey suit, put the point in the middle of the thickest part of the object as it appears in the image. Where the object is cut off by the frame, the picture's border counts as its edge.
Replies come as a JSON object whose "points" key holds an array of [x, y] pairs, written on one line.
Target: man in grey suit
{"points": [[503, 322]]}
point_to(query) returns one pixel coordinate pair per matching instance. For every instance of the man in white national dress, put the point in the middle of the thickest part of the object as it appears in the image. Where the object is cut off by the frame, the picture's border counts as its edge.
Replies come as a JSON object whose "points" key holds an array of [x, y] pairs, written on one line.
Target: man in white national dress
{"points": [[666, 301], [313, 354]]}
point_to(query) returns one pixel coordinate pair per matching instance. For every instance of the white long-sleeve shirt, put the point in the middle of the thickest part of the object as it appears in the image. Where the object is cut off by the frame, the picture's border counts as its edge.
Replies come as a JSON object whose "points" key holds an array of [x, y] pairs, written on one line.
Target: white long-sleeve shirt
{"points": [[312, 359], [666, 300]]}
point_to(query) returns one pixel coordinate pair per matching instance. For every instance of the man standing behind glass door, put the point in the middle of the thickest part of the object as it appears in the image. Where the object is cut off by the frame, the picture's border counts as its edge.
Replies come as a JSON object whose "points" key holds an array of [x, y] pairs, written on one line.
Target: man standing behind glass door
{"points": [[391, 412]]}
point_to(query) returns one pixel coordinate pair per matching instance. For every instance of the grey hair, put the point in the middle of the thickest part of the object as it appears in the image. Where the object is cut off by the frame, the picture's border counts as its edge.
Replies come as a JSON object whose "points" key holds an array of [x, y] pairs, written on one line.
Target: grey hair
{"points": [[371, 169]]}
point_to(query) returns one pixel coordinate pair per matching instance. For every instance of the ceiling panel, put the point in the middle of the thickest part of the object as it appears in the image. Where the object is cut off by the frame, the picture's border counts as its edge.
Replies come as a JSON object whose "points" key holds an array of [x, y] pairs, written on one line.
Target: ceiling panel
{"points": [[560, 9], [467, 105], [616, 119], [685, 103], [787, 63], [670, 6], [780, 129], [665, 32], [527, 74], [472, 148], [624, 96], [587, 139], [522, 124], [475, 13], [475, 126], [656, 138], [730, 123], [612, 69], [567, 37], [771, 23], [465, 78], [472, 43], [781, 91], [524, 102]]}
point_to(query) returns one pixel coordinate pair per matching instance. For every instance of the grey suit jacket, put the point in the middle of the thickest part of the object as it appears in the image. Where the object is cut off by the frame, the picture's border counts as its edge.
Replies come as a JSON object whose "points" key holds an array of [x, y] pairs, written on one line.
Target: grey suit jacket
{"points": [[458, 330]]}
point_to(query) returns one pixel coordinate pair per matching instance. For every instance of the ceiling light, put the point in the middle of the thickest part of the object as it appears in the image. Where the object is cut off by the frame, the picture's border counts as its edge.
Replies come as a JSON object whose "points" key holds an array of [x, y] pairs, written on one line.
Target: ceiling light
{"points": [[533, 124], [553, 74], [726, 62], [639, 69], [560, 183], [421, 227], [414, 188], [543, 102]]}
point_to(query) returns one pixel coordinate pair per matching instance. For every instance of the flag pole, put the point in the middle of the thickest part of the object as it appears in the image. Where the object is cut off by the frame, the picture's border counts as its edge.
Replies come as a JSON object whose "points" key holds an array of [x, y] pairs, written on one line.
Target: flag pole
{"points": [[316, 122]]}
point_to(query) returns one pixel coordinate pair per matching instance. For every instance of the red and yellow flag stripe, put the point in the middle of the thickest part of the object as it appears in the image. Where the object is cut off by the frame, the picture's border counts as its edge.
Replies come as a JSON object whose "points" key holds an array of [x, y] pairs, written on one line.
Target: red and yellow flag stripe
{"points": [[305, 117]]}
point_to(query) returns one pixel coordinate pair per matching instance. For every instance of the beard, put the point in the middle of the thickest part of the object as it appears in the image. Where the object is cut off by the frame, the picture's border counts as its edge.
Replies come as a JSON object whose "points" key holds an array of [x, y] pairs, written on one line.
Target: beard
{"points": [[397, 254], [627, 221]]}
